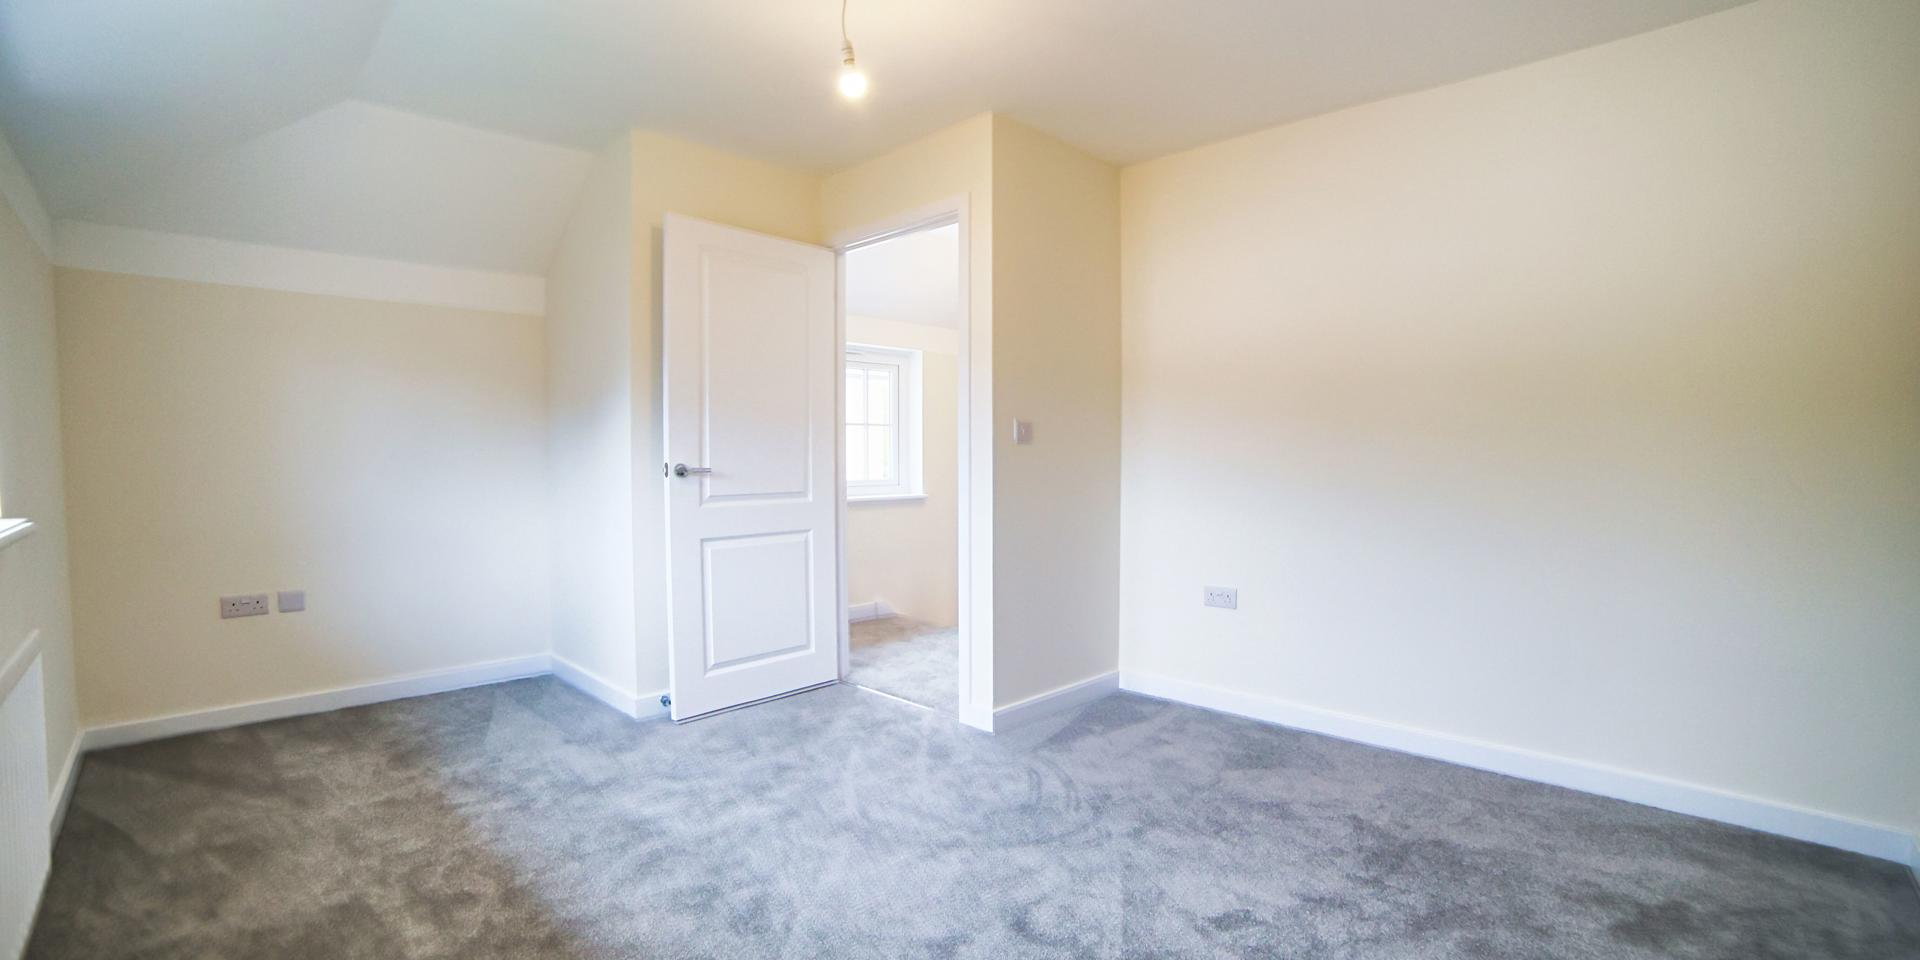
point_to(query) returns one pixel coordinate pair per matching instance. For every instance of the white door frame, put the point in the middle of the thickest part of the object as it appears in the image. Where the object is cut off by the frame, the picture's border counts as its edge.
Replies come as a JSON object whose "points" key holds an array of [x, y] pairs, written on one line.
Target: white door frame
{"points": [[974, 413]]}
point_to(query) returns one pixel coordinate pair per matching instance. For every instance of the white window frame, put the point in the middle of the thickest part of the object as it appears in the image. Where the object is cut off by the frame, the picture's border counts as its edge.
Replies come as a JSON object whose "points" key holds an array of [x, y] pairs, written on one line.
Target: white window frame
{"points": [[909, 482], [15, 530]]}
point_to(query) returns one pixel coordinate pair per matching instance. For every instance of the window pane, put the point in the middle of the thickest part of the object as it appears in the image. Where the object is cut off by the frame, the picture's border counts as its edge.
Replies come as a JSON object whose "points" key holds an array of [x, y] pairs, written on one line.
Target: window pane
{"points": [[880, 455], [856, 395], [857, 454], [880, 395]]}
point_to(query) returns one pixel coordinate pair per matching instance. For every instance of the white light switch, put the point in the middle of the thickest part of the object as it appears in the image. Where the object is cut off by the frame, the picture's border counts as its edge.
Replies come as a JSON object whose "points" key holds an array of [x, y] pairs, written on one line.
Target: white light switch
{"points": [[1023, 431]]}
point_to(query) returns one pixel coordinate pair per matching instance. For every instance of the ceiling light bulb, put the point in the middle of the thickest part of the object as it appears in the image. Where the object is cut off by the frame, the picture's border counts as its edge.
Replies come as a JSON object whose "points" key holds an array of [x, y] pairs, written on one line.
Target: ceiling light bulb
{"points": [[853, 83]]}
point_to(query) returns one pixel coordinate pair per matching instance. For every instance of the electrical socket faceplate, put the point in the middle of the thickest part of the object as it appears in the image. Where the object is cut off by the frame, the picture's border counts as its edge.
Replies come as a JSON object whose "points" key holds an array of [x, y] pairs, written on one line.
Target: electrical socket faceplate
{"points": [[293, 601], [1226, 598], [248, 605]]}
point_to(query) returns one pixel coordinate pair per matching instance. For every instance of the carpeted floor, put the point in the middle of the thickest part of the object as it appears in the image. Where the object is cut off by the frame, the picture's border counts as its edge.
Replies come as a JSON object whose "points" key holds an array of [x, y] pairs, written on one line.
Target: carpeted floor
{"points": [[524, 820], [908, 659]]}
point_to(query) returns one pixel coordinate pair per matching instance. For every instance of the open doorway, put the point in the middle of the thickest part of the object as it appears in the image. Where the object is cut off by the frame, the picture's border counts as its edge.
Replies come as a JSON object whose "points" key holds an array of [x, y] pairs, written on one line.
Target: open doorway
{"points": [[904, 418]]}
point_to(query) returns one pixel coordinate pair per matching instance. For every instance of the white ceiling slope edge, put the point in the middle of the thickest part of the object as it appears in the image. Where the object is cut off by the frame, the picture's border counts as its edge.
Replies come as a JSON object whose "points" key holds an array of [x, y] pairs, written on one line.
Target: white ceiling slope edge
{"points": [[147, 253], [16, 189], [294, 122], [369, 180]]}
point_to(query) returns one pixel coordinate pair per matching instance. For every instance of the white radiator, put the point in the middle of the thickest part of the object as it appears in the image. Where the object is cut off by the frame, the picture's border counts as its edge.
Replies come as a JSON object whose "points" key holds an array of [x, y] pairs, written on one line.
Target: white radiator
{"points": [[23, 796]]}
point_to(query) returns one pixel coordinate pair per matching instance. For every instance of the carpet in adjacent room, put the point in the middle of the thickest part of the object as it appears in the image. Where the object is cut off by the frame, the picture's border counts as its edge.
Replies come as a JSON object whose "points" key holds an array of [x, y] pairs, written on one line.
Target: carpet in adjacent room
{"points": [[903, 657]]}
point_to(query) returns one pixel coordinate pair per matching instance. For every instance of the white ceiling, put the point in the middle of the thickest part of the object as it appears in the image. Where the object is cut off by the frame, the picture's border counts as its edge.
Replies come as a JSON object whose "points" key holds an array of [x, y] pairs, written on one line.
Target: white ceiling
{"points": [[438, 192], [214, 104], [912, 279]]}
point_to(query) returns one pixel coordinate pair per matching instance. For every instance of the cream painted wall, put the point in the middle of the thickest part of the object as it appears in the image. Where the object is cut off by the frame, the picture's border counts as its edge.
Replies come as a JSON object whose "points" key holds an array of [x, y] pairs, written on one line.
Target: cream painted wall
{"points": [[1044, 305], [671, 175], [589, 384], [904, 335], [905, 552], [387, 458], [33, 571], [678, 176], [1570, 409], [1056, 362], [954, 162]]}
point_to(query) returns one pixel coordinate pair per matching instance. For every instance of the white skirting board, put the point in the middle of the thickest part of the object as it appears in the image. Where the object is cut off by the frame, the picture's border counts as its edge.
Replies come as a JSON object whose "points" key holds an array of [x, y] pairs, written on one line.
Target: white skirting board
{"points": [[1076, 694], [871, 610], [639, 706], [1874, 840], [63, 788], [398, 688], [979, 718]]}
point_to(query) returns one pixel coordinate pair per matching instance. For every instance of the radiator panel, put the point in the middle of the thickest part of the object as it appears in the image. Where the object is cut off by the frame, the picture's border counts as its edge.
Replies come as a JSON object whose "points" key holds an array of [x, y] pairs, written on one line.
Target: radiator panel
{"points": [[24, 843]]}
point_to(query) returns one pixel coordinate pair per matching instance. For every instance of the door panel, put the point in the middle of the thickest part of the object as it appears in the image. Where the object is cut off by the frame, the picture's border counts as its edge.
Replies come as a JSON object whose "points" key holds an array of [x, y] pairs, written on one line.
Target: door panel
{"points": [[755, 308], [751, 373], [759, 599]]}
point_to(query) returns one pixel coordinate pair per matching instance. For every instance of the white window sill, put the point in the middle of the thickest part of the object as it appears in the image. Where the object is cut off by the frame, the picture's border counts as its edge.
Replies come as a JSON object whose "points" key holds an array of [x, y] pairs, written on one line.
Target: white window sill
{"points": [[886, 498], [13, 530]]}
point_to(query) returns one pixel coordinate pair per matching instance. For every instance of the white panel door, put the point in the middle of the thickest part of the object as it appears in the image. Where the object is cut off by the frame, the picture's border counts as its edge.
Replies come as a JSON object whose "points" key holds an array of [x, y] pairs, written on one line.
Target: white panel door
{"points": [[752, 369]]}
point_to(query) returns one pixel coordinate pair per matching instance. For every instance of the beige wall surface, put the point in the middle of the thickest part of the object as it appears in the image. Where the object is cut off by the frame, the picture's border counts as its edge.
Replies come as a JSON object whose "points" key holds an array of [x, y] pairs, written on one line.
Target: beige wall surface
{"points": [[678, 176], [33, 571], [589, 326], [1056, 362], [1570, 408], [387, 458], [905, 552], [1044, 306], [950, 163]]}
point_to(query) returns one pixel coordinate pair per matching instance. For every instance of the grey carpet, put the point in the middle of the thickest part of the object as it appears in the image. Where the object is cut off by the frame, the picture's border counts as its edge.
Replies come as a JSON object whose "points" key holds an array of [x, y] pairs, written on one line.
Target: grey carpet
{"points": [[525, 820], [908, 659]]}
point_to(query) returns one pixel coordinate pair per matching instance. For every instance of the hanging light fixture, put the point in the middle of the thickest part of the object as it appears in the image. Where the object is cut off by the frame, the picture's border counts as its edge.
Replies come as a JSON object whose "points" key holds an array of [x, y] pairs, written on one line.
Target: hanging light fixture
{"points": [[853, 83]]}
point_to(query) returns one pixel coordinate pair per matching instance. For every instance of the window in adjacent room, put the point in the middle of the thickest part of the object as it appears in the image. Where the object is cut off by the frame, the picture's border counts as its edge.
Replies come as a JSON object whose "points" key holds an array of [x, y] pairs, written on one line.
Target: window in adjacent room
{"points": [[14, 529], [883, 423]]}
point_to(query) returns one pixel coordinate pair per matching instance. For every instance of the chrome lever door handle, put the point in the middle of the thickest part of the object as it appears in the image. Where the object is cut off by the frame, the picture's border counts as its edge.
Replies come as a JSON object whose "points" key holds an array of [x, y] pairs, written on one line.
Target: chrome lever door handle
{"points": [[682, 470]]}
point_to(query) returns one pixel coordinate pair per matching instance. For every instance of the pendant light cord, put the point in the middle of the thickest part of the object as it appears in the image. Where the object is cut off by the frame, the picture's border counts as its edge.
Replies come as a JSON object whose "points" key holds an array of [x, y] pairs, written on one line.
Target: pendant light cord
{"points": [[846, 45]]}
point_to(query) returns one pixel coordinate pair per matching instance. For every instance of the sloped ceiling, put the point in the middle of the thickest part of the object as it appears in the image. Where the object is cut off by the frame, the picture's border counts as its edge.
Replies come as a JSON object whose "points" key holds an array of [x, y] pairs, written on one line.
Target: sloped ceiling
{"points": [[370, 180], [266, 120], [911, 279], [99, 95]]}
